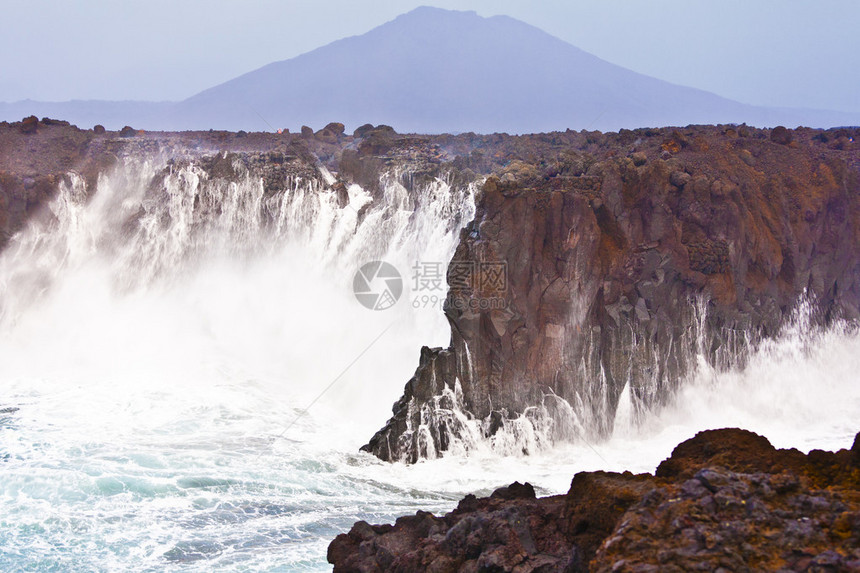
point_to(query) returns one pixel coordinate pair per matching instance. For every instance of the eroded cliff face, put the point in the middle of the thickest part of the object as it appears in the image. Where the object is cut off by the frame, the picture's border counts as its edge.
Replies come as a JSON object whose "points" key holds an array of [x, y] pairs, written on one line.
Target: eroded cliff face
{"points": [[622, 264]]}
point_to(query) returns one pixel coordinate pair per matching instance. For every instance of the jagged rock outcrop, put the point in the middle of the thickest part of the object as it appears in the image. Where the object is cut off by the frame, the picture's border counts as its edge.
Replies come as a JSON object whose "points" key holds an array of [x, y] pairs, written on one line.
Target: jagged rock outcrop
{"points": [[619, 264], [726, 500]]}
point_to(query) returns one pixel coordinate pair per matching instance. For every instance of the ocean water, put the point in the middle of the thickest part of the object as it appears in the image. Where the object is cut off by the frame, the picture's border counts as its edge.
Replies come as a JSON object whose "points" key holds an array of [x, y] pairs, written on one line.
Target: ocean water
{"points": [[187, 376]]}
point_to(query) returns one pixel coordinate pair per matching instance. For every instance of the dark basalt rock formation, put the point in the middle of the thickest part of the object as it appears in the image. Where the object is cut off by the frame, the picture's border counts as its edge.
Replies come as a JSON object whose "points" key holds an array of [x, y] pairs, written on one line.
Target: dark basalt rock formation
{"points": [[621, 259], [726, 500]]}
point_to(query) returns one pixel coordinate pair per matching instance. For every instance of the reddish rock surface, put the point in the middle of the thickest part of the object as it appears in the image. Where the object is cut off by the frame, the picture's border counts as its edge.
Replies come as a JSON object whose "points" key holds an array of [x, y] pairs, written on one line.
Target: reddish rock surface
{"points": [[625, 256], [726, 500]]}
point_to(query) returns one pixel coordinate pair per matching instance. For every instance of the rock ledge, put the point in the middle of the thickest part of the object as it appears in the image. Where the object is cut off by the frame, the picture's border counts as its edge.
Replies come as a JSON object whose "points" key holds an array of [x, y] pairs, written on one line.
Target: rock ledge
{"points": [[726, 500]]}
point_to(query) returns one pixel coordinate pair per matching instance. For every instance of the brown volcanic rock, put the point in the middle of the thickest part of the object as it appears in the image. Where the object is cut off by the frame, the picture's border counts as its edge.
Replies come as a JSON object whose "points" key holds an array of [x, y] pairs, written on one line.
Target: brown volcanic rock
{"points": [[336, 128], [777, 510], [611, 268], [734, 502], [503, 532], [737, 522], [745, 452], [34, 158], [326, 135], [600, 258], [595, 503], [781, 135], [29, 124]]}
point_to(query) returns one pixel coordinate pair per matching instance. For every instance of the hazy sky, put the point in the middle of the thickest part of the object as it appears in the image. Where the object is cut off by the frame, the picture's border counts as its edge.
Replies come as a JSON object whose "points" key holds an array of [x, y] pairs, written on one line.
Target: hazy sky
{"points": [[769, 52]]}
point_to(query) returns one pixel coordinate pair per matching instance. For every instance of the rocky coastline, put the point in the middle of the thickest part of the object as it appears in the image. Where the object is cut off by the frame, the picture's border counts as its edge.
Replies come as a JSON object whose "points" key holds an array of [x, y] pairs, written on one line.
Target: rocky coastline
{"points": [[613, 259], [725, 500], [624, 256]]}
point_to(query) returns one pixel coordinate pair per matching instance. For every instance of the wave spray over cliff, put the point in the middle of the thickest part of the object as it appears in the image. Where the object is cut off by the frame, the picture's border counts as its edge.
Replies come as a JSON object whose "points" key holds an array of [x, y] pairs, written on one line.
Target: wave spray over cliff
{"points": [[162, 337]]}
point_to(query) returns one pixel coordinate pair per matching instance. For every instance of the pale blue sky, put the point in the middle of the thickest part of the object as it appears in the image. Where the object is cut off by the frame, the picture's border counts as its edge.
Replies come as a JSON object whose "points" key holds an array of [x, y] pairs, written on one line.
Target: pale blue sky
{"points": [[767, 52]]}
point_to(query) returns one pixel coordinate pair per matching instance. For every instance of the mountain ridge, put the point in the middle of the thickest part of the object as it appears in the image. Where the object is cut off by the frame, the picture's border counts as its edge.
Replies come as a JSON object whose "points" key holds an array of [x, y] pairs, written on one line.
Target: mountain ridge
{"points": [[431, 71]]}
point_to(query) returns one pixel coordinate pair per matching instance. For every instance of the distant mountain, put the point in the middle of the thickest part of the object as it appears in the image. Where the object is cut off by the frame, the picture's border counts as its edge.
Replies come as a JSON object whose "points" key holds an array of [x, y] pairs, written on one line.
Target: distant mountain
{"points": [[434, 70]]}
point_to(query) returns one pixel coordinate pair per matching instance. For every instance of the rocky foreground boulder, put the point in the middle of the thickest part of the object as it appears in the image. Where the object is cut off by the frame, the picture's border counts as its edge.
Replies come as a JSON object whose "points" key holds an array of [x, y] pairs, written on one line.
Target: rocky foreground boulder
{"points": [[726, 500]]}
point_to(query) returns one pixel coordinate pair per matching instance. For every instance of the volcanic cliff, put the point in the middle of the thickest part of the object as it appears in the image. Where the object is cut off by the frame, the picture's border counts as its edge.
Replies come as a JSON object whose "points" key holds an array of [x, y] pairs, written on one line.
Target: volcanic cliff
{"points": [[595, 262], [605, 261]]}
